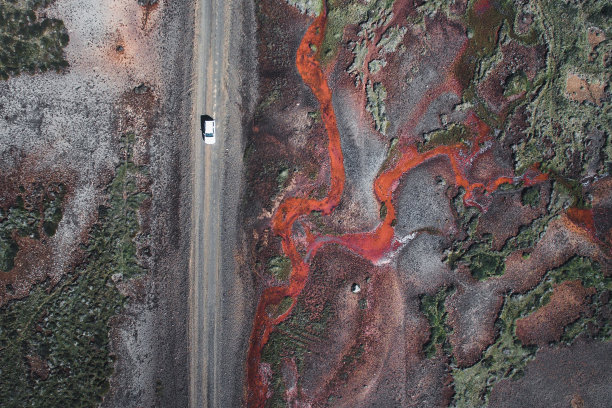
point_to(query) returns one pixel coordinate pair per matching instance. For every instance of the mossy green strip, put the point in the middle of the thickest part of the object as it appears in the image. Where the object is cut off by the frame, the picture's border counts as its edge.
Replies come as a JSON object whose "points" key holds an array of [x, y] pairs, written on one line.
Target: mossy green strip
{"points": [[376, 95], [433, 306], [451, 135]]}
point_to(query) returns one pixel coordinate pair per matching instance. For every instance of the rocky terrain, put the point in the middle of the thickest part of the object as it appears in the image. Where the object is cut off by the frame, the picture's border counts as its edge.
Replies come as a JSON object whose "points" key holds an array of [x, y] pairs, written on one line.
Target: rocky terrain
{"points": [[424, 212], [94, 245], [427, 211]]}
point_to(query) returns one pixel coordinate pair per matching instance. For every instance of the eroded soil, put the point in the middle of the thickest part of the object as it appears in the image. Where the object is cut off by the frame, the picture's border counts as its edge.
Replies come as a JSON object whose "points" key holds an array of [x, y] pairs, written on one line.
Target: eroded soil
{"points": [[420, 216]]}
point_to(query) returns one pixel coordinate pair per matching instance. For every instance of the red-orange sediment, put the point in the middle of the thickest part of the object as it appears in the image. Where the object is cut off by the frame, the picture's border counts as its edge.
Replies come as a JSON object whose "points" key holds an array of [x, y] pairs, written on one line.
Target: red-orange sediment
{"points": [[582, 217], [372, 245], [292, 208]]}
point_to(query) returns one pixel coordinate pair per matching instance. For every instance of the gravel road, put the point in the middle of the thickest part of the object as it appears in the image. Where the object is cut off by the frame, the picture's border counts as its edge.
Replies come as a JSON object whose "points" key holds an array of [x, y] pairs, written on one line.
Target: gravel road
{"points": [[219, 298]]}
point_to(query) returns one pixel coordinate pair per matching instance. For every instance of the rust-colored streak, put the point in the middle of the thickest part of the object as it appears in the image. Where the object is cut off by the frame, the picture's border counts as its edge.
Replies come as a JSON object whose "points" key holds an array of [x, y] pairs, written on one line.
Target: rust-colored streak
{"points": [[583, 217], [372, 245], [291, 209]]}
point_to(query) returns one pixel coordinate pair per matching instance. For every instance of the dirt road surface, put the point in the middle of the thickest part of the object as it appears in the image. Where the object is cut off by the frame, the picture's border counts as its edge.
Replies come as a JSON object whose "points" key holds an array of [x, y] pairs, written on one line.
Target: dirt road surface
{"points": [[218, 329]]}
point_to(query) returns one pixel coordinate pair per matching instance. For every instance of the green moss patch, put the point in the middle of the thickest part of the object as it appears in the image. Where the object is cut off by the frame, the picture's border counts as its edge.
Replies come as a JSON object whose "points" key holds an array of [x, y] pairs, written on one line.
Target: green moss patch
{"points": [[483, 262], [30, 44], [516, 84], [280, 267], [531, 196], [453, 134], [283, 176], [483, 28], [433, 306], [34, 214]]}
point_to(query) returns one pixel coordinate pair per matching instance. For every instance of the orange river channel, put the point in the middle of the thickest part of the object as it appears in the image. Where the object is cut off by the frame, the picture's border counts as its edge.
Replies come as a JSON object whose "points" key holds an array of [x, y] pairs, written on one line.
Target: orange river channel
{"points": [[372, 245]]}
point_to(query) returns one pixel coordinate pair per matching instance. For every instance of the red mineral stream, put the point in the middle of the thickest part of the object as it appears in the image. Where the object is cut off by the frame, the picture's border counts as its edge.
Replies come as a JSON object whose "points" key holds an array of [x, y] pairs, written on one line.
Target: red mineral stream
{"points": [[291, 209], [372, 245]]}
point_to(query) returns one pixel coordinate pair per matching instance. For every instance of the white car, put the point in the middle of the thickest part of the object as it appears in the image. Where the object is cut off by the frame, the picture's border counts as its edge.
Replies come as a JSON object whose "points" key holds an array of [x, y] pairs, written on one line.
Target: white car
{"points": [[207, 124]]}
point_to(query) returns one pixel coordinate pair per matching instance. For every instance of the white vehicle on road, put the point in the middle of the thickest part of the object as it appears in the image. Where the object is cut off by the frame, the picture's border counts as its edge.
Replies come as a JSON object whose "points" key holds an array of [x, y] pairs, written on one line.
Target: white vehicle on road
{"points": [[207, 125]]}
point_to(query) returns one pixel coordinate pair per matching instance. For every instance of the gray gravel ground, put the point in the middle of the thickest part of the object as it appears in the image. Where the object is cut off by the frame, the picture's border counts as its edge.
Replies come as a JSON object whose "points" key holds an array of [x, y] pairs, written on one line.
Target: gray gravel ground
{"points": [[72, 121]]}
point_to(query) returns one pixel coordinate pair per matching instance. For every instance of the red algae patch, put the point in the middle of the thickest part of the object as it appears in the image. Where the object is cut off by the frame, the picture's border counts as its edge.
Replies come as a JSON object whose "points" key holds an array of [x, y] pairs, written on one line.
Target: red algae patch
{"points": [[546, 324], [290, 209]]}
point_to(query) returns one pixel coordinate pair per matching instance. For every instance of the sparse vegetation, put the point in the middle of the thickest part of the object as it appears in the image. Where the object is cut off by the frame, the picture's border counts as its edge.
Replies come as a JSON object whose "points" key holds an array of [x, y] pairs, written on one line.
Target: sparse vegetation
{"points": [[376, 94], [369, 15], [34, 214], [561, 129], [376, 65], [392, 38], [312, 7], [29, 43], [267, 101], [360, 51], [274, 311], [291, 339], [432, 7], [433, 306], [507, 357], [65, 327], [476, 251]]}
